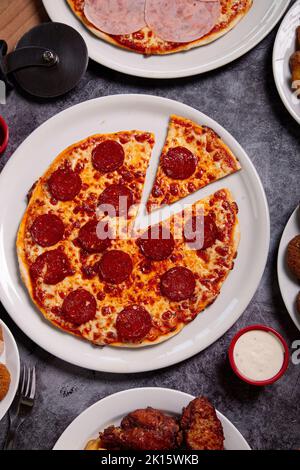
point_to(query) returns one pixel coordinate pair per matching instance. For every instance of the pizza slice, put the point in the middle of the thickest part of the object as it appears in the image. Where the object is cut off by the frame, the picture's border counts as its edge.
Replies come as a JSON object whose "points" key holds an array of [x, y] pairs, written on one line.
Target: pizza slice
{"points": [[193, 157]]}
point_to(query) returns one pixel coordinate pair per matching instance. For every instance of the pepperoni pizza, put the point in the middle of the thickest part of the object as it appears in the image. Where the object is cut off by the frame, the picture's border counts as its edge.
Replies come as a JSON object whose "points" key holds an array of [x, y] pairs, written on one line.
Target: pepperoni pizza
{"points": [[128, 291], [193, 157], [160, 26]]}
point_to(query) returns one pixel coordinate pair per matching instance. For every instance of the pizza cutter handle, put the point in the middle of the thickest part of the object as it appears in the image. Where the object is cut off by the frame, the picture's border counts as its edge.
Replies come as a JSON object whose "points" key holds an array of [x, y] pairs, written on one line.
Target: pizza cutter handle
{"points": [[3, 74], [23, 57]]}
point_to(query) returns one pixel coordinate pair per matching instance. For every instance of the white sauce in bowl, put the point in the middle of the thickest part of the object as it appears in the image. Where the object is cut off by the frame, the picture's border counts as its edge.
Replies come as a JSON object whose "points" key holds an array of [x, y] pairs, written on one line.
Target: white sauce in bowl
{"points": [[258, 355]]}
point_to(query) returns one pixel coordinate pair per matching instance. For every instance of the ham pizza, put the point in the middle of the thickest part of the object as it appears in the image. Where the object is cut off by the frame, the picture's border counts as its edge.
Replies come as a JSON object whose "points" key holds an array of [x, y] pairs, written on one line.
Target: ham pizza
{"points": [[159, 26], [134, 290], [193, 157]]}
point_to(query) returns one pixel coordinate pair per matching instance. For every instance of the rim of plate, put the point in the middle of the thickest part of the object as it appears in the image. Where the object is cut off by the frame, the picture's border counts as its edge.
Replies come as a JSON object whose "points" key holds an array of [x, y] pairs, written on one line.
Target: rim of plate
{"points": [[12, 389], [280, 273], [199, 69], [259, 266], [156, 392], [274, 60]]}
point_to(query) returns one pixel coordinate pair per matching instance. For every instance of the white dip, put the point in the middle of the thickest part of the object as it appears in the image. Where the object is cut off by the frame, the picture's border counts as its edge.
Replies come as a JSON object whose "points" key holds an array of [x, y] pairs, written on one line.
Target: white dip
{"points": [[258, 355]]}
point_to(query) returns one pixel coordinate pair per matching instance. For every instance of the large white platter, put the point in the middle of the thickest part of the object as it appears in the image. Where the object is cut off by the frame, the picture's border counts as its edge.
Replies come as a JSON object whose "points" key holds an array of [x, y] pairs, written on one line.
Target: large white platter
{"points": [[112, 409], [289, 286], [11, 359], [285, 46], [111, 114], [247, 34]]}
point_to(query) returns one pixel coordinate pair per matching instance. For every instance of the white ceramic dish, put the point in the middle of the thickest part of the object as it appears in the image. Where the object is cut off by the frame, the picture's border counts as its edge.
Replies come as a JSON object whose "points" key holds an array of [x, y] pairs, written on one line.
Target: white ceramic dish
{"points": [[283, 49], [112, 114], [289, 286], [11, 359], [110, 411], [247, 34]]}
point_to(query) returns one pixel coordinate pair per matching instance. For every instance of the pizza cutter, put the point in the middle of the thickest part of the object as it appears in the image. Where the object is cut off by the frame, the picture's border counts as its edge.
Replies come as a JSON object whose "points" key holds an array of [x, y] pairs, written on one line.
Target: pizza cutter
{"points": [[48, 61]]}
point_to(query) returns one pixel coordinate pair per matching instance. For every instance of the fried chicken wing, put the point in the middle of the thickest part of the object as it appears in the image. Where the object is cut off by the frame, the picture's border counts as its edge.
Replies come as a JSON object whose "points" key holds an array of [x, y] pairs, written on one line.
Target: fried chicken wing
{"points": [[202, 430], [146, 429], [4, 381], [295, 68], [295, 65], [1, 341]]}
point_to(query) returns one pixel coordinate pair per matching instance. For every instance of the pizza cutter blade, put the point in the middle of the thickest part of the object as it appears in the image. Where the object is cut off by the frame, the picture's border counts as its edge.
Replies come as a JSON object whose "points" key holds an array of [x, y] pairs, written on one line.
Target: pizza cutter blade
{"points": [[48, 61]]}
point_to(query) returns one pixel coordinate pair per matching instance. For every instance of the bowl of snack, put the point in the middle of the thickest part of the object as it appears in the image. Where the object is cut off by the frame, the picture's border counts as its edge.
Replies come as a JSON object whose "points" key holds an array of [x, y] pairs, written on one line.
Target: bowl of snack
{"points": [[288, 266], [9, 368], [293, 263], [295, 64], [286, 61], [259, 355]]}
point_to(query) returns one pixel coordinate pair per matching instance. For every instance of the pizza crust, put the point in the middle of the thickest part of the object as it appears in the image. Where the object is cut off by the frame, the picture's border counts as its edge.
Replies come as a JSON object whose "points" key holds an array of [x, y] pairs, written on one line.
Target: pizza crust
{"points": [[166, 48]]}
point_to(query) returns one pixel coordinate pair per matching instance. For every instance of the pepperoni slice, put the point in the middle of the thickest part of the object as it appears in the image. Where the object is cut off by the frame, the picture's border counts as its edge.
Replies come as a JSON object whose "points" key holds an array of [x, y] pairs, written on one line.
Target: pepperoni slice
{"points": [[178, 284], [157, 243], [108, 156], [52, 266], [47, 230], [115, 266], [79, 307], [94, 236], [133, 324], [179, 163], [64, 184], [118, 197], [209, 229]]}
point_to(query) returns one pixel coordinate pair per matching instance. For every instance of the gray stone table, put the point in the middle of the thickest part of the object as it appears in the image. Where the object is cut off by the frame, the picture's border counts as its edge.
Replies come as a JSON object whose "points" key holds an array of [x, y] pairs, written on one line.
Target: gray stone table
{"points": [[243, 98]]}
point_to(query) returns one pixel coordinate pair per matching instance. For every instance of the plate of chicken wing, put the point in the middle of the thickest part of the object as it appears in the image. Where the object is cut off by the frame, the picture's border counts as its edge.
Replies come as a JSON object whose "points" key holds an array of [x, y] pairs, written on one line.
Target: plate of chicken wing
{"points": [[286, 61], [145, 419]]}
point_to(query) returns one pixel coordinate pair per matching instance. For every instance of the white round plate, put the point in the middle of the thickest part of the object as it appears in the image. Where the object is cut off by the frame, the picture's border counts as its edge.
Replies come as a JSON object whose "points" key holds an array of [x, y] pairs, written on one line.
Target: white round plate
{"points": [[111, 114], [112, 409], [260, 20], [289, 286], [11, 359], [285, 46]]}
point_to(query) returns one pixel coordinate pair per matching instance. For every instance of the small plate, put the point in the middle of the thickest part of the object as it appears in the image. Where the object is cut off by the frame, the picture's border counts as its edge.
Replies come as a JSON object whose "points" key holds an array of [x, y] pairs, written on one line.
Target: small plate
{"points": [[110, 411], [289, 286], [11, 359], [252, 29], [285, 46]]}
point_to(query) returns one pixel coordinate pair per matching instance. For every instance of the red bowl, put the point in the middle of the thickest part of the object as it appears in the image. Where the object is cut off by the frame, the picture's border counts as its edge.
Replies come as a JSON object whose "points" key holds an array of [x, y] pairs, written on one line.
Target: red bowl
{"points": [[4, 135], [284, 365]]}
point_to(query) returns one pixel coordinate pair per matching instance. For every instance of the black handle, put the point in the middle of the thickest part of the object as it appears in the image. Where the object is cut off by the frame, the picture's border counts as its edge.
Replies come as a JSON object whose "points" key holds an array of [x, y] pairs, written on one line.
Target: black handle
{"points": [[30, 56], [3, 73], [24, 57]]}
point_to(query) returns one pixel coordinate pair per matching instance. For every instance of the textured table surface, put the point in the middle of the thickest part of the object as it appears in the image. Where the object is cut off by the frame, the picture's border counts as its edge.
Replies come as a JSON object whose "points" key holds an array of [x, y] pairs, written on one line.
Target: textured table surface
{"points": [[243, 98], [17, 17]]}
